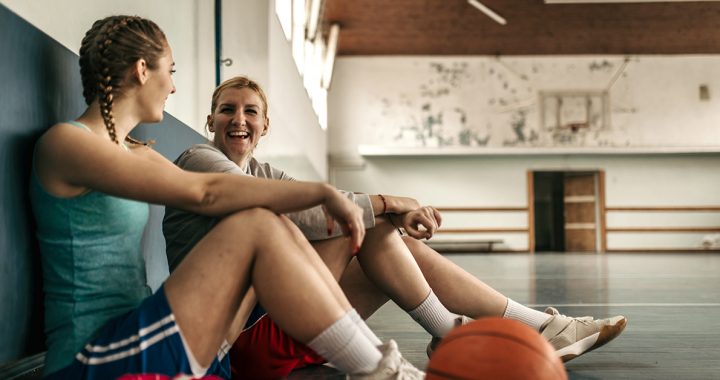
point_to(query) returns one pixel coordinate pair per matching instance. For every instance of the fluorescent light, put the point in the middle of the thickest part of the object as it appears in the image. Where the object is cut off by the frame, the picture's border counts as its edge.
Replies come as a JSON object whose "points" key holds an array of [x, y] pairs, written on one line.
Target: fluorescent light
{"points": [[619, 1], [489, 12], [283, 10], [315, 10], [329, 61]]}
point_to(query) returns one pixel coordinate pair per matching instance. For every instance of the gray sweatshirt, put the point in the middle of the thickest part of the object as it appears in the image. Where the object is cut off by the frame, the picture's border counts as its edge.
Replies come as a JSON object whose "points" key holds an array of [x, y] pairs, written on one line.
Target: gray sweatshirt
{"points": [[183, 229]]}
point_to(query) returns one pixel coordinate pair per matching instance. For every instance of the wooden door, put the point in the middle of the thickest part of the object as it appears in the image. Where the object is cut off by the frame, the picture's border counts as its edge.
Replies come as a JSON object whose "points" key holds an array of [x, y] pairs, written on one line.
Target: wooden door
{"points": [[580, 217]]}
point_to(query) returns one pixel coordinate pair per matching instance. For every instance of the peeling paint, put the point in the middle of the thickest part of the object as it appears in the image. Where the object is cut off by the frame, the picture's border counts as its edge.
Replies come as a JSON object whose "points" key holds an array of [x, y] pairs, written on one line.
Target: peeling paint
{"points": [[497, 102]]}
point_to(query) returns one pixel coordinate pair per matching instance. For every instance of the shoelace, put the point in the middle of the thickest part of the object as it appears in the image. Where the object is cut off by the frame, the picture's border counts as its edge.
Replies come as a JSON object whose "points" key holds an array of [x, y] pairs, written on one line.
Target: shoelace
{"points": [[587, 320]]}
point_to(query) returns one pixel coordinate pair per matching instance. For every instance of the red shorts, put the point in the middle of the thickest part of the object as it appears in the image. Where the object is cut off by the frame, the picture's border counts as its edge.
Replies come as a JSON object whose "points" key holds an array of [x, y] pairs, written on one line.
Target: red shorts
{"points": [[264, 351]]}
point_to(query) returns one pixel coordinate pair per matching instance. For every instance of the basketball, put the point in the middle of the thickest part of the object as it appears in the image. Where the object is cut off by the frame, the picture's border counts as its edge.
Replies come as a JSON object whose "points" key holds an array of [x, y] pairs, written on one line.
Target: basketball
{"points": [[495, 348]]}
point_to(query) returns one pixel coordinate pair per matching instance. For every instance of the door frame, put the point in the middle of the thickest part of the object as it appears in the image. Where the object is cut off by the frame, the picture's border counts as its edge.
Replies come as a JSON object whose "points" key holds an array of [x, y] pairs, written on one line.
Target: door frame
{"points": [[601, 242]]}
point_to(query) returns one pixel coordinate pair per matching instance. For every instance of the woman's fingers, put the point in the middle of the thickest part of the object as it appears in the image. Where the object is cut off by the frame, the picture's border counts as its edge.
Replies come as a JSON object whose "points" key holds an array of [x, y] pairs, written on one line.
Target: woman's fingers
{"points": [[428, 221], [356, 230], [425, 217], [330, 222], [437, 215], [350, 217]]}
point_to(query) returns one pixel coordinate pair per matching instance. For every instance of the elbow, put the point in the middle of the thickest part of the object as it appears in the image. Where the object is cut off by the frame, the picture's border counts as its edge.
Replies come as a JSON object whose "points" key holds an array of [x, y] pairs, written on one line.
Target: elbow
{"points": [[207, 200], [204, 199]]}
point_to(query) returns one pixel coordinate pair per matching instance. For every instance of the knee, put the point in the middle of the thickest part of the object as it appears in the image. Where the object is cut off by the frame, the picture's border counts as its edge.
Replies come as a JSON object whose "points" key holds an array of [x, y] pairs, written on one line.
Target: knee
{"points": [[294, 230], [411, 242], [384, 227], [256, 219]]}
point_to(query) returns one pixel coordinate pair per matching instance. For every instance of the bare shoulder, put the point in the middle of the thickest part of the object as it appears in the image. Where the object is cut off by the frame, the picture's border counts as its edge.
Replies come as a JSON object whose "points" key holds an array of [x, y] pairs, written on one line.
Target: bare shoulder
{"points": [[58, 140], [59, 131], [55, 153]]}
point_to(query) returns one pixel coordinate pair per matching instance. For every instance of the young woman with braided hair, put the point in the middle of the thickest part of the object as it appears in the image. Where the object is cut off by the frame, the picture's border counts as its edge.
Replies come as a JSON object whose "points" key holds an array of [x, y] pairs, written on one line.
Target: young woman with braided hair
{"points": [[432, 289], [89, 192]]}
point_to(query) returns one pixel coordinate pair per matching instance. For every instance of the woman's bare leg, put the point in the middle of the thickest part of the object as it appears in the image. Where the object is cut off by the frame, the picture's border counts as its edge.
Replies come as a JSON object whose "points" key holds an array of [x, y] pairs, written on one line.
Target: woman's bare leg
{"points": [[326, 272], [388, 263], [206, 289], [461, 292], [363, 295], [246, 307], [386, 269]]}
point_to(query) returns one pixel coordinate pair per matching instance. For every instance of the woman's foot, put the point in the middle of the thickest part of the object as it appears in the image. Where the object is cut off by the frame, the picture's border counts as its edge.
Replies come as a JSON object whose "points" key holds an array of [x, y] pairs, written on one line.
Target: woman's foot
{"points": [[569, 336], [391, 366], [572, 337]]}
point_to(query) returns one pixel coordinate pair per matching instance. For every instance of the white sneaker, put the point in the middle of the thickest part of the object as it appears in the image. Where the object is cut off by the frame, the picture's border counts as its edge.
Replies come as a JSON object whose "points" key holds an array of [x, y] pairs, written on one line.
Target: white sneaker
{"points": [[435, 341], [572, 337], [392, 366]]}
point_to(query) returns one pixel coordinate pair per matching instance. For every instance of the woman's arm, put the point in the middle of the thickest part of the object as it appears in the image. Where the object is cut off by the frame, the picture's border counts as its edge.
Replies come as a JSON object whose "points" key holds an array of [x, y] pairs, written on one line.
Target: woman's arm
{"points": [[70, 156], [392, 204]]}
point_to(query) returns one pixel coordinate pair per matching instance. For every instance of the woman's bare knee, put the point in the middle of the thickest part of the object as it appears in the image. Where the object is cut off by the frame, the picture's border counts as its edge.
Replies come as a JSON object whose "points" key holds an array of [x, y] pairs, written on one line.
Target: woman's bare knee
{"points": [[383, 226], [256, 217], [294, 229]]}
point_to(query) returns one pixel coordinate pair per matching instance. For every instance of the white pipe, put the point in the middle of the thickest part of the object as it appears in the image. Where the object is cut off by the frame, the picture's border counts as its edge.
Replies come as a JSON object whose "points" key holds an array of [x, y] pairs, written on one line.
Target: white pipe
{"points": [[329, 63], [489, 12]]}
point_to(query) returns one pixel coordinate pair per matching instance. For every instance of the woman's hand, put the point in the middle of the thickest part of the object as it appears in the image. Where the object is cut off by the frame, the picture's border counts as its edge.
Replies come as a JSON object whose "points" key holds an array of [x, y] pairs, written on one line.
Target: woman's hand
{"points": [[421, 223], [348, 215]]}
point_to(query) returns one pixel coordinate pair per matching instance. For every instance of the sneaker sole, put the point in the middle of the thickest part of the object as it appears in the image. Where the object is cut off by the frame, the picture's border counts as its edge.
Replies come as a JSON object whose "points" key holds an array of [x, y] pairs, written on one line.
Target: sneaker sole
{"points": [[606, 334]]}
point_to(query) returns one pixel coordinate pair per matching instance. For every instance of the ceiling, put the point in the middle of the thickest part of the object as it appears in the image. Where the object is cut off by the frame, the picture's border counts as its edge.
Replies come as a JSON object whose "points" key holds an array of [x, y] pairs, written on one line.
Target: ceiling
{"points": [[454, 27]]}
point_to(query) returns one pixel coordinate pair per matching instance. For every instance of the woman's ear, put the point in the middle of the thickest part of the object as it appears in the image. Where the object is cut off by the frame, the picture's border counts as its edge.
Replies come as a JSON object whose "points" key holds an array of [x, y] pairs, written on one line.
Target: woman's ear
{"points": [[266, 127], [209, 123], [140, 71]]}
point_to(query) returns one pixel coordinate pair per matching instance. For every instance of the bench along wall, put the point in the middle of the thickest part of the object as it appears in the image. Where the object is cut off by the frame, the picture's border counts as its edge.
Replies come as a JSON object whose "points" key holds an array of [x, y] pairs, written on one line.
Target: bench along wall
{"points": [[41, 86]]}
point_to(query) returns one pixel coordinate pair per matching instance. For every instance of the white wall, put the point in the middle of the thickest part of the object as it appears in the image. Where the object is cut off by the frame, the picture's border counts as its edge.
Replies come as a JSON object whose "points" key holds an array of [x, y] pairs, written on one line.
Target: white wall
{"points": [[371, 97], [295, 142], [188, 25], [296, 139], [434, 101]]}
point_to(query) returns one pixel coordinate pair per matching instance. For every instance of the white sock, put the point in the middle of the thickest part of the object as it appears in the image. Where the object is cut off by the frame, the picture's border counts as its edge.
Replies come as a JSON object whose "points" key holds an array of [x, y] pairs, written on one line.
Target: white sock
{"points": [[526, 315], [433, 316], [360, 323], [346, 347]]}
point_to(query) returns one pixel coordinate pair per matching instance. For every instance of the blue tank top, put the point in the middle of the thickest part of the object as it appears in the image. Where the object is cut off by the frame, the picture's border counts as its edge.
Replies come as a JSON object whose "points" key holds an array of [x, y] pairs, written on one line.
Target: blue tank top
{"points": [[93, 266]]}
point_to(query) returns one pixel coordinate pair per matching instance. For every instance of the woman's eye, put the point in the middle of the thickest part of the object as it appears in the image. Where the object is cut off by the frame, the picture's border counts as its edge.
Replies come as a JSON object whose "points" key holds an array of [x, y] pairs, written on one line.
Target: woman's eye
{"points": [[251, 111]]}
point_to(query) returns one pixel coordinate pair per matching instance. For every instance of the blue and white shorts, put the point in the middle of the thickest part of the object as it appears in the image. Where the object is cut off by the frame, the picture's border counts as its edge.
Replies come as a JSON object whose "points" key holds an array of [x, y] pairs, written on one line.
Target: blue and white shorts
{"points": [[146, 340]]}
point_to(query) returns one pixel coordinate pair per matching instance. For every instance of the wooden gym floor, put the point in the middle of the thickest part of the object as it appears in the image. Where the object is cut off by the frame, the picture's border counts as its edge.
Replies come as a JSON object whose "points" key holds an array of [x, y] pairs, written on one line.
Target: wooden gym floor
{"points": [[672, 302]]}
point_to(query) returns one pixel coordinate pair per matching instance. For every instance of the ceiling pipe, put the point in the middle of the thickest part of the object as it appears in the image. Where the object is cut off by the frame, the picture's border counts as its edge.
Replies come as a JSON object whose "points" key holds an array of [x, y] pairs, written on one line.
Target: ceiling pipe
{"points": [[489, 12], [330, 56], [314, 17]]}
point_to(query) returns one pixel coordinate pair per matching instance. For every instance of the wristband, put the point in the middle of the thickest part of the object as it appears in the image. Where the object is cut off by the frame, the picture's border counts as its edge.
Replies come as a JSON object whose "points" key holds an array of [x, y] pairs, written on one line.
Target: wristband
{"points": [[382, 198]]}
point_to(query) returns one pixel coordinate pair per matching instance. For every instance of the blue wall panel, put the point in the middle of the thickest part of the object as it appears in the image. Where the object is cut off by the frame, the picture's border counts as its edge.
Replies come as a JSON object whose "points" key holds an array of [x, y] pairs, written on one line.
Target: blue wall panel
{"points": [[39, 86]]}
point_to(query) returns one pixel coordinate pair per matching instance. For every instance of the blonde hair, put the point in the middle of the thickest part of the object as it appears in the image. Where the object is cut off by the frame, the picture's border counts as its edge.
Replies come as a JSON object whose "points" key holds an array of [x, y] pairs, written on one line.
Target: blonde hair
{"points": [[239, 82], [111, 47]]}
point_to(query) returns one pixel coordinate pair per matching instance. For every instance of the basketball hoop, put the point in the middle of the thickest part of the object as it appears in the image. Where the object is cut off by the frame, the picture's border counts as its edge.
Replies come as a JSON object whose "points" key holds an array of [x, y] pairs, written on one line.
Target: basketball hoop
{"points": [[575, 127]]}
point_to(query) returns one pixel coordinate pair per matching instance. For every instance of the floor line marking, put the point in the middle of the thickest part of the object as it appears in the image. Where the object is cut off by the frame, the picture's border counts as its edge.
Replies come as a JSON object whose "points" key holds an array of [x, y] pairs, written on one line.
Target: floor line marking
{"points": [[709, 304]]}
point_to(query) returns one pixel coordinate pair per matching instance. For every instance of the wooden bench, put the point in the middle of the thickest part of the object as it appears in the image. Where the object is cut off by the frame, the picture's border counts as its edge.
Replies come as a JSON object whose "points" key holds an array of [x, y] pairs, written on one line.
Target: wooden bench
{"points": [[464, 246], [29, 368]]}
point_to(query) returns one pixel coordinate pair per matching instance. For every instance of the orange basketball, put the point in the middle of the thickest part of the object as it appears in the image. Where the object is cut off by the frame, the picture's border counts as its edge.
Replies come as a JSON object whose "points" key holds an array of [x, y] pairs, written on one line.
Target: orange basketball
{"points": [[495, 348]]}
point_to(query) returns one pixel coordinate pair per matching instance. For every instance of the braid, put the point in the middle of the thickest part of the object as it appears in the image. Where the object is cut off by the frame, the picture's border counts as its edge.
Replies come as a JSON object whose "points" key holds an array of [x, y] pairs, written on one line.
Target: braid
{"points": [[106, 79], [108, 51]]}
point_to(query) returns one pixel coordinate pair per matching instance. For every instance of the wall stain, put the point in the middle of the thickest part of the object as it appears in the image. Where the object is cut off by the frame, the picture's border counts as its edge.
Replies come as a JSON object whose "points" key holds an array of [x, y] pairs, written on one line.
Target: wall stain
{"points": [[493, 103]]}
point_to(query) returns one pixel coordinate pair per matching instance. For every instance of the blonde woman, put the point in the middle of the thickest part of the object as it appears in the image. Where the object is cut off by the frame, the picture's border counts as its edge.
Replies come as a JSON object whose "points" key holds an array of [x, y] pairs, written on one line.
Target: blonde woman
{"points": [[432, 289]]}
